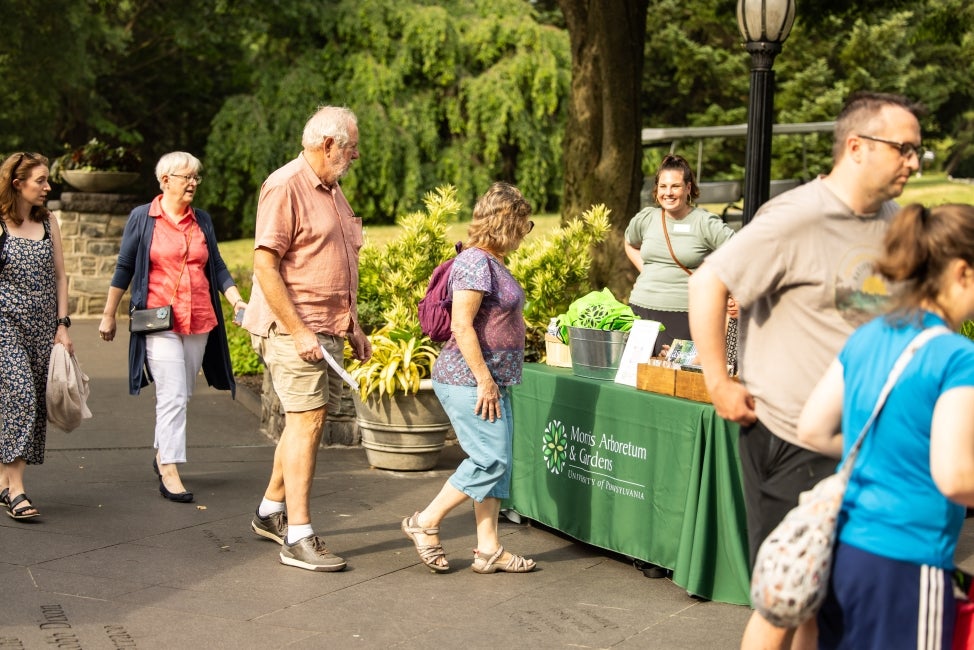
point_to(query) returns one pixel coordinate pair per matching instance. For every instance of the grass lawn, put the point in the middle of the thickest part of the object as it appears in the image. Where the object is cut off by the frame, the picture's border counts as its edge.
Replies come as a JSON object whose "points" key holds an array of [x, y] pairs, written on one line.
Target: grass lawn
{"points": [[930, 189]]}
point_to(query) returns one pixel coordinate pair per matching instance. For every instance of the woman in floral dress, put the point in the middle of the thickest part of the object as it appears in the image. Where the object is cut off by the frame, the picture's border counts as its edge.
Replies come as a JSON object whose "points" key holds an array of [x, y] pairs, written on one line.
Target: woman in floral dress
{"points": [[33, 316]]}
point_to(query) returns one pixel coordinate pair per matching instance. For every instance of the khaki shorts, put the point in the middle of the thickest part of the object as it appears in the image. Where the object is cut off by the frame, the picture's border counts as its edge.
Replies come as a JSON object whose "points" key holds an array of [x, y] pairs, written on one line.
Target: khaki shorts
{"points": [[300, 385]]}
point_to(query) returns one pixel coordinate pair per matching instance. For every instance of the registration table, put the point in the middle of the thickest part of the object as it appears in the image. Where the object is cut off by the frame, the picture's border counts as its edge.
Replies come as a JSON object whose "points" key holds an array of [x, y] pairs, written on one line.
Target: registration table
{"points": [[648, 476]]}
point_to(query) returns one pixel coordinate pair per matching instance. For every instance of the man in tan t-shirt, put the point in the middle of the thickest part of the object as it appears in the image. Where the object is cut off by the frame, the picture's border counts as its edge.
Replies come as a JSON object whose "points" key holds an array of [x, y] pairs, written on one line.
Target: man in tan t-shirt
{"points": [[802, 275], [306, 249]]}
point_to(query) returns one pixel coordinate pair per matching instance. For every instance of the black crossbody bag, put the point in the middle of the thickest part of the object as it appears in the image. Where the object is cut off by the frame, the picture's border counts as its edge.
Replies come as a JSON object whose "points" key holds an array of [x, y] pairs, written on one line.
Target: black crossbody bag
{"points": [[158, 319]]}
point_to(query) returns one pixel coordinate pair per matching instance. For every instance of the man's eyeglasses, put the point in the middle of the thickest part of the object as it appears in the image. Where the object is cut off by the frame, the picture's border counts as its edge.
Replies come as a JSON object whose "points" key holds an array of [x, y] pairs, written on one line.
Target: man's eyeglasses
{"points": [[198, 179], [906, 149]]}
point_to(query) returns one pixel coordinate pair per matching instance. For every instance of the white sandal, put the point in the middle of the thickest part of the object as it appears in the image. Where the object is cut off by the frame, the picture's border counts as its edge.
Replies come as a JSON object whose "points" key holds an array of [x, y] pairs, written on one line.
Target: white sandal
{"points": [[428, 553], [517, 563]]}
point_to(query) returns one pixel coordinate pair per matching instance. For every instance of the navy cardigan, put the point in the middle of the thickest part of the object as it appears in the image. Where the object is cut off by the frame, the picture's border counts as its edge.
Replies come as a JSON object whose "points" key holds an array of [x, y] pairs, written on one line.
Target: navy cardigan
{"points": [[132, 268]]}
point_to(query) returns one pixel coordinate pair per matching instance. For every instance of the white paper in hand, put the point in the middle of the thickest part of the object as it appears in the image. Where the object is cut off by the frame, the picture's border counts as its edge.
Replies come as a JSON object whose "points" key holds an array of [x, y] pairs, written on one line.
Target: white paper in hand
{"points": [[338, 368]]}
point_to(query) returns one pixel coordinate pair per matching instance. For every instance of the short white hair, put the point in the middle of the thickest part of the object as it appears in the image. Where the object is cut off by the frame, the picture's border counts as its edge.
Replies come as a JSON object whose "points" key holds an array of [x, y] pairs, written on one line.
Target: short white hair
{"points": [[328, 122], [175, 160]]}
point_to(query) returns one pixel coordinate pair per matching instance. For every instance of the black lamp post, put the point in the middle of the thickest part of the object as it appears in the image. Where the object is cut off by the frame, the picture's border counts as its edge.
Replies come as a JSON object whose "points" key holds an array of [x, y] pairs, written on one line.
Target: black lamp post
{"points": [[765, 25]]}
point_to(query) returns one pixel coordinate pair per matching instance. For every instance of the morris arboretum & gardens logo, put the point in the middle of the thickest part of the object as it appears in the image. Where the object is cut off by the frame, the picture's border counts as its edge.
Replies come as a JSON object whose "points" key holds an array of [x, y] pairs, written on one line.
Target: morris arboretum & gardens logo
{"points": [[555, 446]]}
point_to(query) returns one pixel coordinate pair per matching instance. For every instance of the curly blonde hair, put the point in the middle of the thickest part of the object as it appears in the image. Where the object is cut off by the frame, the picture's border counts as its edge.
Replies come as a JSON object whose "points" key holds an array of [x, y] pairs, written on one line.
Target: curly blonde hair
{"points": [[500, 219]]}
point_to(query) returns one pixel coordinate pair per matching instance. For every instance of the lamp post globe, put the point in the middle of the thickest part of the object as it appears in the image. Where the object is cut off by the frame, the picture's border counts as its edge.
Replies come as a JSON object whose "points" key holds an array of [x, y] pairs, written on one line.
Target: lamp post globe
{"points": [[764, 25], [767, 21]]}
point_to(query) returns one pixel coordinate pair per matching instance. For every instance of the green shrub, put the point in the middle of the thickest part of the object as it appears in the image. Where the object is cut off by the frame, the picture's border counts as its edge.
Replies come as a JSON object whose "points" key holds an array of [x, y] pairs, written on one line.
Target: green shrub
{"points": [[553, 269], [393, 279], [400, 360]]}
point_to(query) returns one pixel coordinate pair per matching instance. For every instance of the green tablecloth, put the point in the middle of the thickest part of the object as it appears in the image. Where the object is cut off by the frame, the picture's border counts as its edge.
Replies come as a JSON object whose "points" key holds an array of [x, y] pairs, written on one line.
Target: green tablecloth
{"points": [[652, 477]]}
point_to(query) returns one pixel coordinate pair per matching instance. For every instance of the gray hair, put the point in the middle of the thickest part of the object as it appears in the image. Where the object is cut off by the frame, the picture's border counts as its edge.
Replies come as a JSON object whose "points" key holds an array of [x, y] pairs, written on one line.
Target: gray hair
{"points": [[328, 122], [175, 160]]}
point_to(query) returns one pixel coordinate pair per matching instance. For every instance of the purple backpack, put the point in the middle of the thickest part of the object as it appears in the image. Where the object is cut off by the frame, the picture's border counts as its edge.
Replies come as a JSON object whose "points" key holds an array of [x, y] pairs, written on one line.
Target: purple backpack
{"points": [[434, 308]]}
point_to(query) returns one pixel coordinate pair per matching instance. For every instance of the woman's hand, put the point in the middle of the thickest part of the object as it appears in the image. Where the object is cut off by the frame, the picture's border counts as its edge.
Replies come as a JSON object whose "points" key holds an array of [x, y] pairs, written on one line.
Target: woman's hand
{"points": [[106, 328], [62, 337], [239, 307], [488, 400]]}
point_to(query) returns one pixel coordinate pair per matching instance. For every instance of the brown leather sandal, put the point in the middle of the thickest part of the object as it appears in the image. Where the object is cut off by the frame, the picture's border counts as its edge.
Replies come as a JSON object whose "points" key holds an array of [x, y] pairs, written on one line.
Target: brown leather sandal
{"points": [[428, 553], [517, 563]]}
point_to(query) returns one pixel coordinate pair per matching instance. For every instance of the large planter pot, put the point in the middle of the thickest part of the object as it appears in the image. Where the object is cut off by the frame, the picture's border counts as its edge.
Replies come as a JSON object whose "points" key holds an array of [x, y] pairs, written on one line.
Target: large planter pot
{"points": [[403, 432], [96, 181]]}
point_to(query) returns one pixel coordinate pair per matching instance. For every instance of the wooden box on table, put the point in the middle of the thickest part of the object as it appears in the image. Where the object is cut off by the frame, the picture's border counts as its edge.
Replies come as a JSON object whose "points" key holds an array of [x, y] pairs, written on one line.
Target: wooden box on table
{"points": [[656, 379], [690, 385], [557, 354]]}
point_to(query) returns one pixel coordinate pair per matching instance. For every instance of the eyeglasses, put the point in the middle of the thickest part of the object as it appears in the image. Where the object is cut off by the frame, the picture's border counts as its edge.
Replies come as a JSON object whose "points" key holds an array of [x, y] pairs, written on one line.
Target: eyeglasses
{"points": [[906, 149], [530, 226], [189, 179]]}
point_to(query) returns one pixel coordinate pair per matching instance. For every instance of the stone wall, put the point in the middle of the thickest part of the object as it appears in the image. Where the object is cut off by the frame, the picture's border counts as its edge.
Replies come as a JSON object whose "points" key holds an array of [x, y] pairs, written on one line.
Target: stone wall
{"points": [[91, 232]]}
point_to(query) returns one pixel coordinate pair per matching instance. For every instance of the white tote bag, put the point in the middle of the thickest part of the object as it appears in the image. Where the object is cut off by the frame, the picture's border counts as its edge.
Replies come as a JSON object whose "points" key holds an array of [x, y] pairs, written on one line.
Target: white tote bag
{"points": [[67, 390]]}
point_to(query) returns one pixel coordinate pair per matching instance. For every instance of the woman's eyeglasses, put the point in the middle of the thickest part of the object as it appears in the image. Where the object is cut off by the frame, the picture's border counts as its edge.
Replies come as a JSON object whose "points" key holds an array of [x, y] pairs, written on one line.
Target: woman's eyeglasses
{"points": [[530, 226], [189, 179]]}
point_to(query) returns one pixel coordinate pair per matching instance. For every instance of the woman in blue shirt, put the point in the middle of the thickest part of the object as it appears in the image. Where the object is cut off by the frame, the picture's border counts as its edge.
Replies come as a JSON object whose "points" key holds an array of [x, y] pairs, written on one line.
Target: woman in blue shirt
{"points": [[902, 513]]}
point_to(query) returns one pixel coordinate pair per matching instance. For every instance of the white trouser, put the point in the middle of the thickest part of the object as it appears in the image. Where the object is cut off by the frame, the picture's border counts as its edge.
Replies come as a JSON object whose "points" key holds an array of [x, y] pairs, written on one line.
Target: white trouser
{"points": [[174, 361]]}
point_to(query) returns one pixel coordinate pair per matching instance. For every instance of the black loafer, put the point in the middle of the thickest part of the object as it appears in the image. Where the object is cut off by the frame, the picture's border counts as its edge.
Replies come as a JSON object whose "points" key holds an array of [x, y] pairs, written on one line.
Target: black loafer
{"points": [[178, 497], [155, 468]]}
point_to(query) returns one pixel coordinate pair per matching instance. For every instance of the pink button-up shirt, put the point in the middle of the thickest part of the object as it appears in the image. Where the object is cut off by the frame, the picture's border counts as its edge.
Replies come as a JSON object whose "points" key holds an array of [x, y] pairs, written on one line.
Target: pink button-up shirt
{"points": [[313, 230], [192, 308]]}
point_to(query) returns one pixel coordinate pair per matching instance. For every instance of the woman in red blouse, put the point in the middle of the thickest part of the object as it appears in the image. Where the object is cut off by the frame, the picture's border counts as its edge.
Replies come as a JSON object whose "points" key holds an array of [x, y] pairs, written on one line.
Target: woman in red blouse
{"points": [[169, 256]]}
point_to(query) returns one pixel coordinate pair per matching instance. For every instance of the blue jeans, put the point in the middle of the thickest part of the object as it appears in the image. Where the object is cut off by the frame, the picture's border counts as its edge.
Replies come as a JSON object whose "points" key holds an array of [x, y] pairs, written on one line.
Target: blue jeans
{"points": [[486, 472]]}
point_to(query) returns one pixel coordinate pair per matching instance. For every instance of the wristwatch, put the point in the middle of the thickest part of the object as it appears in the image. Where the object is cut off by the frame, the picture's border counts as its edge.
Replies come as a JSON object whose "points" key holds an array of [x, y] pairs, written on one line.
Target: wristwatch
{"points": [[66, 321]]}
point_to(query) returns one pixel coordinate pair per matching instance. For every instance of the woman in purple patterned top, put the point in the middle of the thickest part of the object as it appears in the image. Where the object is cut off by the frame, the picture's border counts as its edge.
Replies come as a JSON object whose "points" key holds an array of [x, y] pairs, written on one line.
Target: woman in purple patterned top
{"points": [[471, 378]]}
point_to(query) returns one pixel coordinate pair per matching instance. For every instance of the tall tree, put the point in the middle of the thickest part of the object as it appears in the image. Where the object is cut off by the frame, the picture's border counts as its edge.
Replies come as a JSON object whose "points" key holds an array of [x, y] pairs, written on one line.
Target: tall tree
{"points": [[459, 92], [51, 54], [603, 149]]}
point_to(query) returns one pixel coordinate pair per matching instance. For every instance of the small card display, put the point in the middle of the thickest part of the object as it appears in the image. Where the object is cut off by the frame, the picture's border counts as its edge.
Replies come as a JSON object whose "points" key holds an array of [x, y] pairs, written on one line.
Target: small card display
{"points": [[683, 352]]}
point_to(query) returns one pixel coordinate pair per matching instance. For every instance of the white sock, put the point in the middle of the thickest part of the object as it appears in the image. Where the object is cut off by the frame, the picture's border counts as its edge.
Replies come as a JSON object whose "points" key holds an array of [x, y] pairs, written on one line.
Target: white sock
{"points": [[296, 532], [268, 507]]}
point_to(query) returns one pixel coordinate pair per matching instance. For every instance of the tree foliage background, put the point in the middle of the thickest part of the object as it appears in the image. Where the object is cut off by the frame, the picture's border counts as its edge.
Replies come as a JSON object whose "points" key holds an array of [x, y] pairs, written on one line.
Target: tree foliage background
{"points": [[458, 92], [450, 92], [696, 74]]}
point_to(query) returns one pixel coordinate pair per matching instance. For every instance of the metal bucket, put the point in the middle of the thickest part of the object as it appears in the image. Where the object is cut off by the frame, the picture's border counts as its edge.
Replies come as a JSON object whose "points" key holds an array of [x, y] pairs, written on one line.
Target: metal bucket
{"points": [[596, 353]]}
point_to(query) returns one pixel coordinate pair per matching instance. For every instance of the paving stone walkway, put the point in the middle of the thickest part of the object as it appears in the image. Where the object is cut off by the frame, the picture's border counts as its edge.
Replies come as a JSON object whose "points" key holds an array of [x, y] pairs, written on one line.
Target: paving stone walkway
{"points": [[111, 564]]}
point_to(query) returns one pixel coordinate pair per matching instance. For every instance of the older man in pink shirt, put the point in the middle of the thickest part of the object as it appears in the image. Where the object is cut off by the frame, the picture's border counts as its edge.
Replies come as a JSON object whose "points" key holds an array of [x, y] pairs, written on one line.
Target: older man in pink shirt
{"points": [[306, 250]]}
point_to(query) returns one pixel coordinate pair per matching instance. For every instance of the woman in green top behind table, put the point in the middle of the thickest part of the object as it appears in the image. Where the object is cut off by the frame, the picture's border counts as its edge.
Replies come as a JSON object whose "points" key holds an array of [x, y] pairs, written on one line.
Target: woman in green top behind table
{"points": [[666, 244]]}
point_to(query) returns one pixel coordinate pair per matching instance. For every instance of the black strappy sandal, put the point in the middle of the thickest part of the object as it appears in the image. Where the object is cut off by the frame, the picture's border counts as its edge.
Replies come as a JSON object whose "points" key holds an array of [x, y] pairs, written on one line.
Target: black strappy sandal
{"points": [[23, 511]]}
